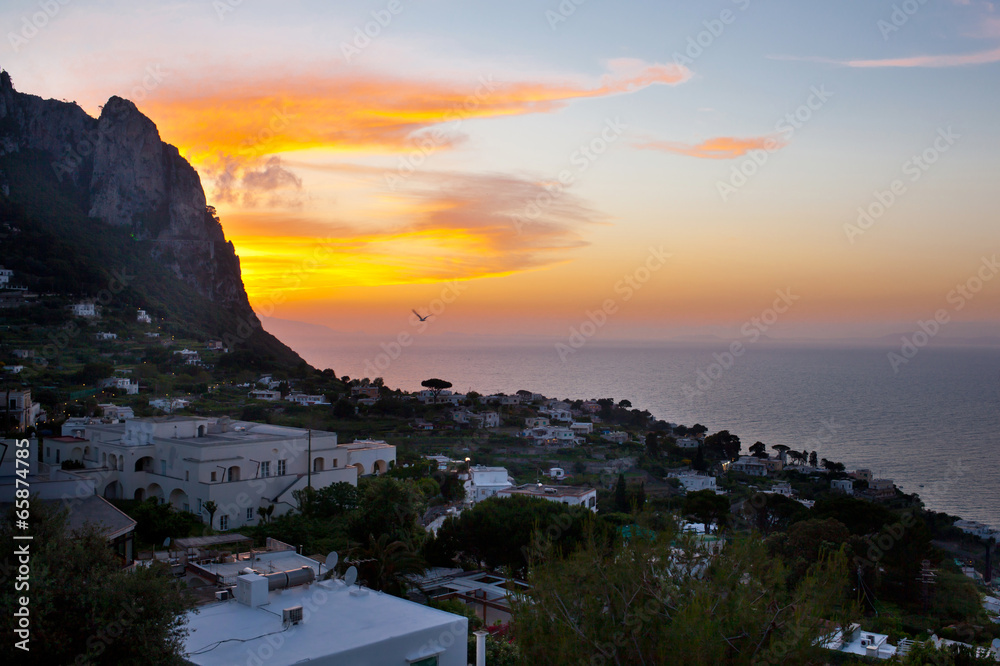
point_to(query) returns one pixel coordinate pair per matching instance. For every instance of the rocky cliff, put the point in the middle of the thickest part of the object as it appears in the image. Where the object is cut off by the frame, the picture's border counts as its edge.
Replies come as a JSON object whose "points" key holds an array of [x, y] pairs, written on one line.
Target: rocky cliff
{"points": [[128, 177], [116, 170]]}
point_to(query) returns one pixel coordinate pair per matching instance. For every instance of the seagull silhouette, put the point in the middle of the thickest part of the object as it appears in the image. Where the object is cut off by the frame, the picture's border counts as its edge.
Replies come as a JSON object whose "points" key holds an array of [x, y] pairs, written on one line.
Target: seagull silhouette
{"points": [[418, 315]]}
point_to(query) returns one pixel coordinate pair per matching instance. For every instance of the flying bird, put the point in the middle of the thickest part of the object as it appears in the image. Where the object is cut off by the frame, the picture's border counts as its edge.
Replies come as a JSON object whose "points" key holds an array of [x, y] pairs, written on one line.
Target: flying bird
{"points": [[418, 315]]}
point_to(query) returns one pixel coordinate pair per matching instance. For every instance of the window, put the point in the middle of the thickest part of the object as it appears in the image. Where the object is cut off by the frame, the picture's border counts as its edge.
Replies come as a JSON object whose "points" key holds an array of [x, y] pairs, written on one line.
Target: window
{"points": [[57, 455], [213, 476], [281, 468], [265, 469], [223, 522], [198, 500], [249, 514], [187, 475], [48, 451], [163, 467], [335, 465]]}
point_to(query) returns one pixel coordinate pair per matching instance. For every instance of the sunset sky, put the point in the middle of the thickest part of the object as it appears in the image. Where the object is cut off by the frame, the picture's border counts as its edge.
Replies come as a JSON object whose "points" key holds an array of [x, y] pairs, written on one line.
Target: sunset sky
{"points": [[545, 154]]}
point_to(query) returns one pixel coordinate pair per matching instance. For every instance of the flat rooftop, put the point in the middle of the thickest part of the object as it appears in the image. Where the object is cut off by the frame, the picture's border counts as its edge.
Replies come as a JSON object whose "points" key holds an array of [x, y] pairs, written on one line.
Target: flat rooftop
{"points": [[338, 622], [549, 491]]}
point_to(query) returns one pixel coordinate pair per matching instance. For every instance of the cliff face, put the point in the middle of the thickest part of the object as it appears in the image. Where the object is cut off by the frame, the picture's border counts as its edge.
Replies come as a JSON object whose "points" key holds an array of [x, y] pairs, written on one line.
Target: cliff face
{"points": [[128, 177]]}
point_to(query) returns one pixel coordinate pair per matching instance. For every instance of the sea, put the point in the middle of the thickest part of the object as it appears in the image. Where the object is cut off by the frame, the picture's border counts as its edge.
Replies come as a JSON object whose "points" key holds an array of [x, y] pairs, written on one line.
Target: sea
{"points": [[930, 423]]}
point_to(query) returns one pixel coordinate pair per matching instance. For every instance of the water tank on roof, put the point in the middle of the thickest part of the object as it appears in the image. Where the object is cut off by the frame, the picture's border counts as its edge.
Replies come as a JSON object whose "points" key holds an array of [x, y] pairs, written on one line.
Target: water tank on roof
{"points": [[283, 579]]}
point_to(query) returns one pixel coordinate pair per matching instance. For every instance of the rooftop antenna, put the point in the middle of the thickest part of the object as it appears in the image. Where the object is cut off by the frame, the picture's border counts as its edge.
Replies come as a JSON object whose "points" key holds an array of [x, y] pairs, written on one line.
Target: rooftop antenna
{"points": [[351, 576]]}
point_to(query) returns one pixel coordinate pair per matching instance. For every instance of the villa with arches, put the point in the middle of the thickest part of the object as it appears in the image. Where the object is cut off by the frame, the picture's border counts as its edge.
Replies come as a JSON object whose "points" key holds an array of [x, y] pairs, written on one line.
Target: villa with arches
{"points": [[189, 460]]}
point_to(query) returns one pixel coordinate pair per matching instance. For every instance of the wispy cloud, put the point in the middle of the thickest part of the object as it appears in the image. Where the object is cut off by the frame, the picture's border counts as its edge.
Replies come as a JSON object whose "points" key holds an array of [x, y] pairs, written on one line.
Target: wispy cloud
{"points": [[928, 61], [362, 112], [718, 148]]}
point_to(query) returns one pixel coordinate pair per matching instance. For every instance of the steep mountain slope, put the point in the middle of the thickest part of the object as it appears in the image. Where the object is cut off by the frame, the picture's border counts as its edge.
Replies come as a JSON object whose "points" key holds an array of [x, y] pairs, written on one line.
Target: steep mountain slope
{"points": [[88, 199]]}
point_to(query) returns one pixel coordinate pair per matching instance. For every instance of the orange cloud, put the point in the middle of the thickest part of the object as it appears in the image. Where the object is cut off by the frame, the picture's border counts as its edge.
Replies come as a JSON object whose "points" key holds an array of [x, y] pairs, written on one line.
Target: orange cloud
{"points": [[719, 148], [350, 111], [449, 226]]}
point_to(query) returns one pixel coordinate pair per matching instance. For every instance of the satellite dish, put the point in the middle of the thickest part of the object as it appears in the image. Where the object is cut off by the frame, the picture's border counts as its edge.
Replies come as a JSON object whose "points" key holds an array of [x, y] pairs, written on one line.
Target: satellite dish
{"points": [[351, 576], [331, 560]]}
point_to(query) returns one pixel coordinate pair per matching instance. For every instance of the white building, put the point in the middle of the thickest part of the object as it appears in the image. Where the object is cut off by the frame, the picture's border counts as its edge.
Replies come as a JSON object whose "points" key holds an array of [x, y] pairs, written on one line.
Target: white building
{"points": [[429, 397], [571, 495], [687, 443], [536, 422], [105, 335], [169, 405], [24, 353], [979, 529], [504, 400], [130, 386], [615, 437], [14, 369], [442, 461], [142, 317], [862, 643], [303, 399], [23, 412], [746, 465], [485, 482], [582, 428], [84, 310], [694, 482], [188, 461], [845, 486], [477, 420], [264, 394], [5, 276], [116, 413], [326, 623], [550, 435]]}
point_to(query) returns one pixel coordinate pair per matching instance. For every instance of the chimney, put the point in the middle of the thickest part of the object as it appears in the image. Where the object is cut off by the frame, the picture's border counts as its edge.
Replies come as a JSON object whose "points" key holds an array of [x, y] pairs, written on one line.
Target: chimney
{"points": [[481, 647]]}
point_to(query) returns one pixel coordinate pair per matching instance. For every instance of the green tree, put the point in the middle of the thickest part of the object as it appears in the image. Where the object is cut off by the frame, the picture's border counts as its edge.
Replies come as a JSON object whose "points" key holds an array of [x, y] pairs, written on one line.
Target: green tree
{"points": [[84, 607], [333, 500], [511, 532], [653, 445], [672, 602], [771, 512], [699, 464], [621, 495], [723, 445], [707, 507], [758, 449], [436, 386], [384, 564], [387, 506]]}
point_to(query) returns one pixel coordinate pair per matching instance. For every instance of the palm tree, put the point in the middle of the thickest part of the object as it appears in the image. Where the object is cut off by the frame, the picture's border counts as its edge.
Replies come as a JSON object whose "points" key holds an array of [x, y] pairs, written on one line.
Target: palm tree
{"points": [[384, 564], [265, 513], [211, 507]]}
